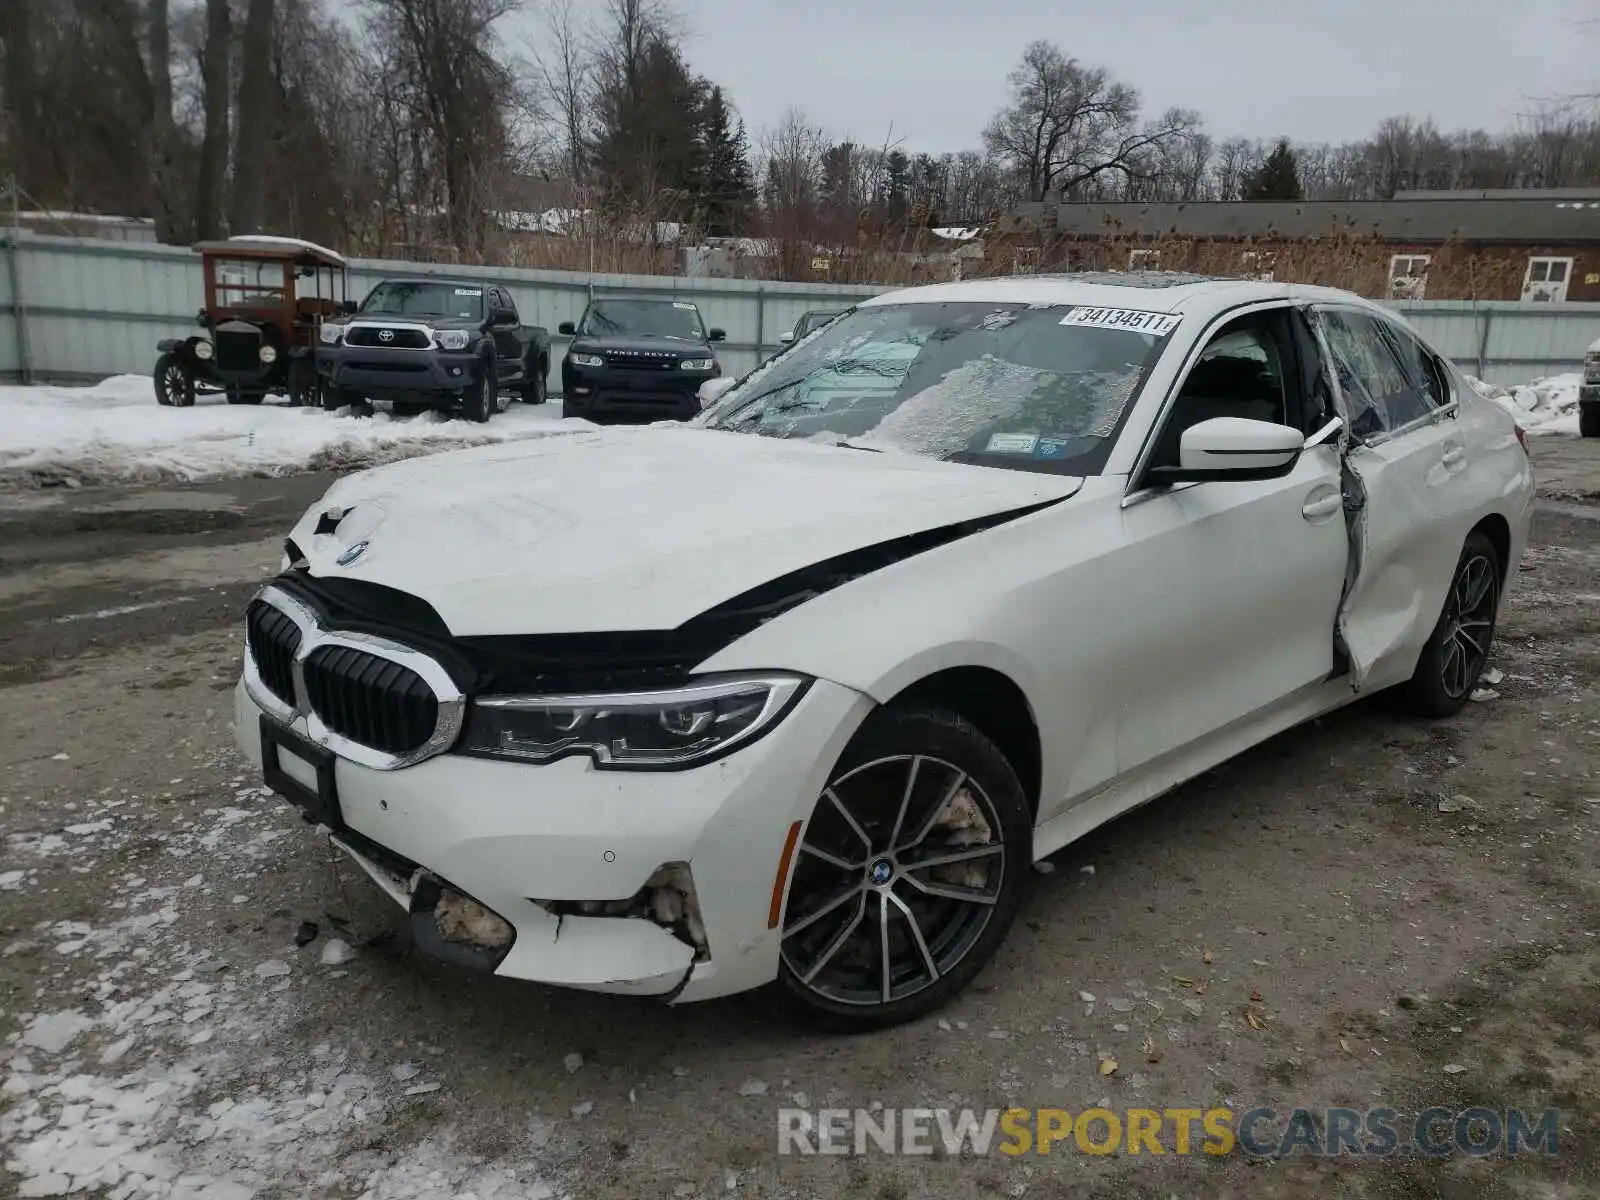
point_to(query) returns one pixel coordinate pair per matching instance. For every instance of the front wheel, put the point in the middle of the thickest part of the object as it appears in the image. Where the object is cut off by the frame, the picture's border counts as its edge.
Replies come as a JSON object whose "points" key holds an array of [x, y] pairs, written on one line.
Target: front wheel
{"points": [[908, 876], [1589, 420], [304, 387], [478, 401], [240, 396], [174, 386], [1456, 654]]}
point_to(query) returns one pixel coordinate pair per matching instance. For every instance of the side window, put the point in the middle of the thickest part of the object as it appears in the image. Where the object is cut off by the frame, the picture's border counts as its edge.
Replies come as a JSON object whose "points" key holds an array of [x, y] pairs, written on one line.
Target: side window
{"points": [[1246, 370], [1425, 371], [1378, 392]]}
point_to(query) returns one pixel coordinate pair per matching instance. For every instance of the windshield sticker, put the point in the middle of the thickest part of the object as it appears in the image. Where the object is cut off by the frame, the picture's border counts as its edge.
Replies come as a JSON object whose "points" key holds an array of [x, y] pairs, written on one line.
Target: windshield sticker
{"points": [[999, 320], [1012, 443], [1049, 447], [682, 304], [1156, 324], [469, 291]]}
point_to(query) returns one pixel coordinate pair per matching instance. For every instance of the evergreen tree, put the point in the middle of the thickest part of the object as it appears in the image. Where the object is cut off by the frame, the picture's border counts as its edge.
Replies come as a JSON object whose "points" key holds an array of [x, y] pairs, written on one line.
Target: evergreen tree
{"points": [[725, 190], [647, 149], [1277, 178]]}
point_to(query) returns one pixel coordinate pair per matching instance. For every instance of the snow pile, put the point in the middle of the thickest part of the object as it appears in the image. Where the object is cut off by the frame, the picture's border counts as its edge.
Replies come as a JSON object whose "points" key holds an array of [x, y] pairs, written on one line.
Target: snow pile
{"points": [[1548, 405], [115, 432]]}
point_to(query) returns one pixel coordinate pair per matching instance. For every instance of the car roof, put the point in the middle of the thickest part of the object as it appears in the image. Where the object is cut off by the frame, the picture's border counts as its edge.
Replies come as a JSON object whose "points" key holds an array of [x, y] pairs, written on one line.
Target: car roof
{"points": [[647, 299], [1159, 291], [268, 246], [447, 280]]}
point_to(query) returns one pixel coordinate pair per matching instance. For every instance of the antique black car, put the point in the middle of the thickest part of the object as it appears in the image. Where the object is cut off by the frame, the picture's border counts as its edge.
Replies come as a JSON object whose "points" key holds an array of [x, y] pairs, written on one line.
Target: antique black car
{"points": [[265, 301]]}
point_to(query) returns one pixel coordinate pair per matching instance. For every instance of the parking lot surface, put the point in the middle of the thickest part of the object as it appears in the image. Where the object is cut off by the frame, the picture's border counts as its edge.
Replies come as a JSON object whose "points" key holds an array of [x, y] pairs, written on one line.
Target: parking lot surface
{"points": [[1366, 912]]}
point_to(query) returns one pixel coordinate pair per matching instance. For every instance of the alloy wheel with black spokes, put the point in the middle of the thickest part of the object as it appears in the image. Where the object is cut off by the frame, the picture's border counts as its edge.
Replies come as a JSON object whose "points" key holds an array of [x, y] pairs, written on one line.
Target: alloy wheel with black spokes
{"points": [[1457, 653], [908, 874]]}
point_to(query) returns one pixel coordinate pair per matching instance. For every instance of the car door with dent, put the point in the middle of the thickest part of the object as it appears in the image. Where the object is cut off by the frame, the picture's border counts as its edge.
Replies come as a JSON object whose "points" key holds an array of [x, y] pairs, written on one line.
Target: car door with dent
{"points": [[1242, 578], [1405, 469]]}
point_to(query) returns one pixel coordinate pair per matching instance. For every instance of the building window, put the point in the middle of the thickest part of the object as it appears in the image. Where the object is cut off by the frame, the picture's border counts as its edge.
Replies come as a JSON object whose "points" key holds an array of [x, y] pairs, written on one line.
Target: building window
{"points": [[1408, 276], [1547, 280], [1258, 264], [1144, 260]]}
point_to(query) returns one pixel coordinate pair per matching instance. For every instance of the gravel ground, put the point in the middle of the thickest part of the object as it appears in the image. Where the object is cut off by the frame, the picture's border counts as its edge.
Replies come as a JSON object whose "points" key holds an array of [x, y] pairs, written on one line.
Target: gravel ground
{"points": [[1407, 911]]}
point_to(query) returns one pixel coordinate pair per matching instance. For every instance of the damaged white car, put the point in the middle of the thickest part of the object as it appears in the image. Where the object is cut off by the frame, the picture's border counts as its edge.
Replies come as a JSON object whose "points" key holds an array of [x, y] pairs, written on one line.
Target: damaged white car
{"points": [[796, 693]]}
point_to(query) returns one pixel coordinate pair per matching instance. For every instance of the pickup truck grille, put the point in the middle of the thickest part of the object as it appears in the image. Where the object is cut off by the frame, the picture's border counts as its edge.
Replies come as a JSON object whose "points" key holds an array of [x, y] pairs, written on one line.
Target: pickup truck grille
{"points": [[399, 338], [273, 639], [370, 700]]}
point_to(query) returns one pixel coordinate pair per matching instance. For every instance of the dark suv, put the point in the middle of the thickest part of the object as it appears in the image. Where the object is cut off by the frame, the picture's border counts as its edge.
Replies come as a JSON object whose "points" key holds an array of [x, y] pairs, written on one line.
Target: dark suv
{"points": [[636, 359]]}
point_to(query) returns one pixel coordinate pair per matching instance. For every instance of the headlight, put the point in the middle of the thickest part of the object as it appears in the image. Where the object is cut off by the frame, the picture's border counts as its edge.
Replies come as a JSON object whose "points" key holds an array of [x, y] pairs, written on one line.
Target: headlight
{"points": [[586, 360], [1591, 368], [682, 727], [332, 333], [269, 354], [698, 364], [204, 349], [451, 339]]}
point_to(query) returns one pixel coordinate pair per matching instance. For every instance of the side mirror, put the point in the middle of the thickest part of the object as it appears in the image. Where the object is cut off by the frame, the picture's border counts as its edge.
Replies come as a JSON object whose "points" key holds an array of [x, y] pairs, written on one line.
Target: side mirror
{"points": [[567, 329], [349, 307], [785, 338], [502, 316], [713, 390], [715, 335], [1233, 449]]}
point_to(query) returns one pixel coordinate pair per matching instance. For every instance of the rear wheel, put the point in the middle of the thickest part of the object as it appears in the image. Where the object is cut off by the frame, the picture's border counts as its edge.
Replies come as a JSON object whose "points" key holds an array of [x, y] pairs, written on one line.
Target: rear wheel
{"points": [[304, 386], [533, 387], [1589, 420], [1458, 651], [908, 876], [240, 396], [174, 387]]}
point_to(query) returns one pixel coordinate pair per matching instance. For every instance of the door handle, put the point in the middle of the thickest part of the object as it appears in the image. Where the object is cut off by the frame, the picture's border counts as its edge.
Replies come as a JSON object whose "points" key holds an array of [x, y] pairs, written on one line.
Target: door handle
{"points": [[1321, 505], [1454, 453]]}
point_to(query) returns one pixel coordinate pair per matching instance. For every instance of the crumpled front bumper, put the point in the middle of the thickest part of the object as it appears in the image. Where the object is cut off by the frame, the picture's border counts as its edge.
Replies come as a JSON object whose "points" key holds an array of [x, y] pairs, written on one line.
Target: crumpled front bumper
{"points": [[508, 835]]}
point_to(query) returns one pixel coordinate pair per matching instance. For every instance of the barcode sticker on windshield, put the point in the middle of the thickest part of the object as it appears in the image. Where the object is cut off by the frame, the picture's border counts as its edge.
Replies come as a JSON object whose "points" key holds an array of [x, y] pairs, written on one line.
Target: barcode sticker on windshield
{"points": [[469, 291], [1156, 324], [683, 304]]}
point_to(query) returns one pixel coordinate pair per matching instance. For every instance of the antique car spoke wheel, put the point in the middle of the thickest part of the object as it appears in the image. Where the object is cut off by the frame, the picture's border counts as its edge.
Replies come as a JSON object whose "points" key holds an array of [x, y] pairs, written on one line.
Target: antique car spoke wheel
{"points": [[902, 872], [174, 388]]}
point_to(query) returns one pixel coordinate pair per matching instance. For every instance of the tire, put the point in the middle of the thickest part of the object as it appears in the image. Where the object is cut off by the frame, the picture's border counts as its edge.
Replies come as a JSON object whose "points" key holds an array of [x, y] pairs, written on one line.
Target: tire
{"points": [[534, 385], [1458, 650], [305, 389], [174, 385], [478, 401], [238, 396], [334, 398], [1589, 420], [830, 970]]}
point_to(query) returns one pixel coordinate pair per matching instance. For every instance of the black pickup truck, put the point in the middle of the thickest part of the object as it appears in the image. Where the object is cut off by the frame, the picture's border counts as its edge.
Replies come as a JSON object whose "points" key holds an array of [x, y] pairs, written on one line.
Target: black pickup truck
{"points": [[456, 345], [636, 359]]}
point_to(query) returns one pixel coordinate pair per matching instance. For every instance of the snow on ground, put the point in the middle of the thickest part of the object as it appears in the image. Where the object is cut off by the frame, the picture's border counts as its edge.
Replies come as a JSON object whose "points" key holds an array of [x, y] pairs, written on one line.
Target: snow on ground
{"points": [[169, 1072], [1548, 405], [115, 432]]}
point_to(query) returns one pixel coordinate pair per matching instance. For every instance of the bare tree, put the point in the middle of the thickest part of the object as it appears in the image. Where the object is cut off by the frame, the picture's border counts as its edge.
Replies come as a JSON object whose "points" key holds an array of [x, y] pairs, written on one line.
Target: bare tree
{"points": [[214, 137], [251, 148], [566, 70]]}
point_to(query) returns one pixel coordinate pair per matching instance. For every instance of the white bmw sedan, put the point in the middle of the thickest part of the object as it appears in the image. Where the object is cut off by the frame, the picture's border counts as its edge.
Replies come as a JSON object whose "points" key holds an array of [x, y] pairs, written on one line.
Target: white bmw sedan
{"points": [[795, 694]]}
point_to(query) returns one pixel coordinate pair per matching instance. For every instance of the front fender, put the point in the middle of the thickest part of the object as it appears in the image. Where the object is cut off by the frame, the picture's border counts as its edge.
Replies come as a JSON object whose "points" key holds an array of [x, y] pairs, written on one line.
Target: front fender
{"points": [[168, 345]]}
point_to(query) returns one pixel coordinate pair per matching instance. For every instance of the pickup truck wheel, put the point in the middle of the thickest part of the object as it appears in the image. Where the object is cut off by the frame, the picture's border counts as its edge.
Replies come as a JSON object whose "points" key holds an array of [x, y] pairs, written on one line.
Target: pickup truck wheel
{"points": [[478, 401], [533, 387], [1589, 420]]}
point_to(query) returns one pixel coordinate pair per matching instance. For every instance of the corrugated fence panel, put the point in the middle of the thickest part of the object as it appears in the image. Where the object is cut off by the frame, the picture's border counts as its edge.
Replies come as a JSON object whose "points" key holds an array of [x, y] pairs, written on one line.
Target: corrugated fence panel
{"points": [[90, 308]]}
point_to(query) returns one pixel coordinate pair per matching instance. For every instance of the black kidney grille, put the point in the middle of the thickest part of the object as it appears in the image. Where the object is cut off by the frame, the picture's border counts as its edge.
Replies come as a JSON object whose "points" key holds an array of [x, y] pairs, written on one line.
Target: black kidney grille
{"points": [[398, 339], [370, 700], [273, 640]]}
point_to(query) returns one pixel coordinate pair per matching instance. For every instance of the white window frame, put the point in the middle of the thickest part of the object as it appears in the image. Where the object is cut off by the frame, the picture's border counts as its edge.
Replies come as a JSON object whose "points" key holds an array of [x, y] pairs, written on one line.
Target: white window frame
{"points": [[1528, 281], [1144, 260], [1413, 285]]}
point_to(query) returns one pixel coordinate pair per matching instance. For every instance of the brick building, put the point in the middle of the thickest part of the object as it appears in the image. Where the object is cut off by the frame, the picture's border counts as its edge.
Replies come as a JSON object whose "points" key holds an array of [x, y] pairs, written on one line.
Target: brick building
{"points": [[1541, 245]]}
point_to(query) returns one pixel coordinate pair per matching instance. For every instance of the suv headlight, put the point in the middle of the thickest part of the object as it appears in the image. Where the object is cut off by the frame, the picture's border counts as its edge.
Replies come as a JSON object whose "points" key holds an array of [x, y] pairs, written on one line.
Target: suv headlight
{"points": [[698, 364], [586, 360], [331, 334], [680, 727], [450, 339]]}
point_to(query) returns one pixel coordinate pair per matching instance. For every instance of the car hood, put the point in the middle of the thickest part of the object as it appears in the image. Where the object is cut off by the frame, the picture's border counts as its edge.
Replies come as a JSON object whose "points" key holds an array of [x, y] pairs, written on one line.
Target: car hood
{"points": [[639, 345], [632, 528], [397, 320]]}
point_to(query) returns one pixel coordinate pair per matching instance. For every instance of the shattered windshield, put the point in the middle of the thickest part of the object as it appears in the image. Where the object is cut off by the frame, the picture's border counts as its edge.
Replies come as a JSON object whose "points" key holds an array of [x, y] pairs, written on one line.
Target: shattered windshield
{"points": [[1027, 388]]}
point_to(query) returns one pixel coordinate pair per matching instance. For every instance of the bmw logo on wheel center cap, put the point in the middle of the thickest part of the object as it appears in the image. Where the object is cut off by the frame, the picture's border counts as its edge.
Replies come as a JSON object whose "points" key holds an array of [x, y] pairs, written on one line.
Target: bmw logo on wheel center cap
{"points": [[881, 872]]}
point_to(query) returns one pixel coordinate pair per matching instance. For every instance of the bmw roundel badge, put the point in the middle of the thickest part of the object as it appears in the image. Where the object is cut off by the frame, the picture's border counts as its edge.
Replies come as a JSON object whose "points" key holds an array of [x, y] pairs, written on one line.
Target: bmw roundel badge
{"points": [[350, 555]]}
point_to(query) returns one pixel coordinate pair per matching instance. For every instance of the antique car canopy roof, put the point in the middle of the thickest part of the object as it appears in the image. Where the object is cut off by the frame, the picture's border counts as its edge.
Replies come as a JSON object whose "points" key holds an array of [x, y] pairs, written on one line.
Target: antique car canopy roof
{"points": [[261, 245]]}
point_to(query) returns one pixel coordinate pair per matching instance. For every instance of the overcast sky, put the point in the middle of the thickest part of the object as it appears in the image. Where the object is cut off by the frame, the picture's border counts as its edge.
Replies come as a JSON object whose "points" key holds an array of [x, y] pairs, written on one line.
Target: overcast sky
{"points": [[936, 69]]}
